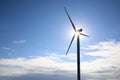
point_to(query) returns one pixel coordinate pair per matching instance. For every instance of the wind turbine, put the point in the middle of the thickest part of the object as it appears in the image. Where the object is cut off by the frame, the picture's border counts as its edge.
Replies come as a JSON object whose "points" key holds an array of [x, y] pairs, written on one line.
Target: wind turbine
{"points": [[77, 33]]}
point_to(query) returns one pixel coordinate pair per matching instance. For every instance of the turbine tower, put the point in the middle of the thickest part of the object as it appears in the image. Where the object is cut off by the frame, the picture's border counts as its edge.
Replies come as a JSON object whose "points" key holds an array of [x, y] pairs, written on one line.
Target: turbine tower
{"points": [[78, 33]]}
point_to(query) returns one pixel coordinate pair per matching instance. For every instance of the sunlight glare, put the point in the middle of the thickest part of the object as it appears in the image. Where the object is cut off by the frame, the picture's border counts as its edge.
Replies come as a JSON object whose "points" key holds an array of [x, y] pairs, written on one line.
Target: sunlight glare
{"points": [[76, 33]]}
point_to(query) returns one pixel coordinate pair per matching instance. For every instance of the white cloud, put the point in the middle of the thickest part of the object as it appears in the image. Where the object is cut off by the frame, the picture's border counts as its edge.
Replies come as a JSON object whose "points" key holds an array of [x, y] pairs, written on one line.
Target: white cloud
{"points": [[19, 41], [41, 64], [108, 62], [11, 71], [104, 67]]}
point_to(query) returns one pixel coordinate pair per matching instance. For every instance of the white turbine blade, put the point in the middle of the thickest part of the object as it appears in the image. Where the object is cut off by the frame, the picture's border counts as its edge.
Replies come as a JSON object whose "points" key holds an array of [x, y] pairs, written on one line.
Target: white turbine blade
{"points": [[84, 34], [70, 44], [70, 19]]}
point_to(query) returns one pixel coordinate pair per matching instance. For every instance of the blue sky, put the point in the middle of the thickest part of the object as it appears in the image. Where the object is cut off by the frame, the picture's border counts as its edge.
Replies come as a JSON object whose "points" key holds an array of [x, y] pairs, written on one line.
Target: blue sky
{"points": [[37, 31]]}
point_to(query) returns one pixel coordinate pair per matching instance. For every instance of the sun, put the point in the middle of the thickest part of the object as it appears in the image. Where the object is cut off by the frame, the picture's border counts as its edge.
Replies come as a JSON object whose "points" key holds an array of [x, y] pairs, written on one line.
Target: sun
{"points": [[72, 32], [77, 33]]}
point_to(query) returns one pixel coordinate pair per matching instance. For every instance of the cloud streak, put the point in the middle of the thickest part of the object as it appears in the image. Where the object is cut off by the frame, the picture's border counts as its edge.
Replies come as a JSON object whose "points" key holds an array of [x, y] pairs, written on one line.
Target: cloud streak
{"points": [[19, 41], [8, 49]]}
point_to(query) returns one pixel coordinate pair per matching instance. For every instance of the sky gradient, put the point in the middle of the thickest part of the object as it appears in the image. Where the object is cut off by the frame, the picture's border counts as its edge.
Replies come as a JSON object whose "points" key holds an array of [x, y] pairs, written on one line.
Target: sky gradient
{"points": [[35, 34]]}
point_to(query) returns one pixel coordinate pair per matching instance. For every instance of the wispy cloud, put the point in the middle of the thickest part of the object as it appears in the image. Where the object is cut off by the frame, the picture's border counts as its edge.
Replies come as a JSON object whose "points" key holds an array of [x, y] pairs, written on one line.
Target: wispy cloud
{"points": [[19, 41], [8, 49], [103, 68]]}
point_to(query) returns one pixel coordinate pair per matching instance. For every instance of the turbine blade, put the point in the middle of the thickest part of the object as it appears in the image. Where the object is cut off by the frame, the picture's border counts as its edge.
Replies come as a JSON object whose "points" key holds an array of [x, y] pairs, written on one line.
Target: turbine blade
{"points": [[70, 19], [70, 44], [84, 34]]}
